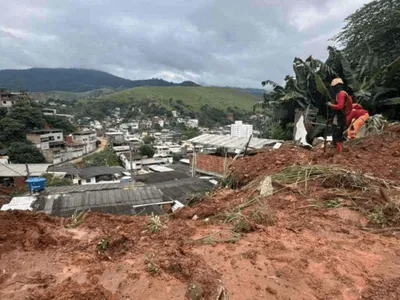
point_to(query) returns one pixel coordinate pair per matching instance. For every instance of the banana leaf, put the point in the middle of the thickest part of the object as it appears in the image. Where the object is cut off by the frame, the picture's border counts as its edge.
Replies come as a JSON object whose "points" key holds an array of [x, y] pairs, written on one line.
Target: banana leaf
{"points": [[389, 102], [321, 87], [300, 71], [392, 69]]}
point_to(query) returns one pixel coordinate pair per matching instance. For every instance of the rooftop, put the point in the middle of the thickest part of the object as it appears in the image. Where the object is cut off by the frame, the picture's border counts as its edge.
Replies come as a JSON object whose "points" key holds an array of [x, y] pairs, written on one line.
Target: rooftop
{"points": [[108, 199], [69, 169], [89, 187], [98, 171], [183, 189], [45, 130], [228, 141], [158, 177], [19, 170], [86, 132]]}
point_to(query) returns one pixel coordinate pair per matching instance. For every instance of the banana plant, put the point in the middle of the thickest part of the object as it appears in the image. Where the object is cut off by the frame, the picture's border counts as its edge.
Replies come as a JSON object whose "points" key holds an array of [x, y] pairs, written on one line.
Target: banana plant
{"points": [[371, 83]]}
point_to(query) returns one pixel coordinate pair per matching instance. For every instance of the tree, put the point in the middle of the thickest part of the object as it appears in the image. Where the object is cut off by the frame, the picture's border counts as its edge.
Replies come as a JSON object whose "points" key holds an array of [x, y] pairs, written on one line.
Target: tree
{"points": [[52, 180], [157, 126], [107, 157], [24, 152], [60, 123], [29, 114], [148, 140], [373, 84], [376, 27], [147, 150], [11, 130]]}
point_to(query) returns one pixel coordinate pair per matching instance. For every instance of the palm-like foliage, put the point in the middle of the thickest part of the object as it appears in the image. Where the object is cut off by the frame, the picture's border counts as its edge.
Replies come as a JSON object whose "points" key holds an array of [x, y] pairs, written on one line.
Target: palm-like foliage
{"points": [[371, 82]]}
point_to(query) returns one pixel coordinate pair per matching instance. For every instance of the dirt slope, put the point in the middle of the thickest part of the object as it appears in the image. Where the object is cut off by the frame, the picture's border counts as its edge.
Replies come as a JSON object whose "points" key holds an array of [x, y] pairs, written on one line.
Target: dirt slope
{"points": [[325, 237]]}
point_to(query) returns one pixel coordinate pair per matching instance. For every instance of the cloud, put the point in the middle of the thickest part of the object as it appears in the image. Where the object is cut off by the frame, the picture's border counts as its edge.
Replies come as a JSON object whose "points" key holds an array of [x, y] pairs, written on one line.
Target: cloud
{"points": [[213, 42]]}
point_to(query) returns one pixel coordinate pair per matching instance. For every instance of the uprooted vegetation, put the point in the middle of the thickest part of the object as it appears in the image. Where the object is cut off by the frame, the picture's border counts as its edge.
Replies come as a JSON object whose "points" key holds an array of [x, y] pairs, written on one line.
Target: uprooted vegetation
{"points": [[313, 225]]}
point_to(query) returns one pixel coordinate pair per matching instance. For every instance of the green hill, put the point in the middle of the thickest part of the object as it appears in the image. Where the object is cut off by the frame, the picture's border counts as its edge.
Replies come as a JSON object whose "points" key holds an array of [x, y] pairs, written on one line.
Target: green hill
{"points": [[72, 80], [194, 97]]}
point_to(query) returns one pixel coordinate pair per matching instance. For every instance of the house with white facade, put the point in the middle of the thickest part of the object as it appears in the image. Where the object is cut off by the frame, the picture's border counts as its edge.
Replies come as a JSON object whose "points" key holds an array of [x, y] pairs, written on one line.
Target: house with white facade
{"points": [[45, 139], [88, 138], [192, 123], [103, 174], [8, 99], [241, 130], [138, 162]]}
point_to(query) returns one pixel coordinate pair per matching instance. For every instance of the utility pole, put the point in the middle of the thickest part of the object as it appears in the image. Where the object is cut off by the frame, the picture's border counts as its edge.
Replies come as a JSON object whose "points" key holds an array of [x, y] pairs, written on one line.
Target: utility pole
{"points": [[194, 161], [27, 176], [130, 156]]}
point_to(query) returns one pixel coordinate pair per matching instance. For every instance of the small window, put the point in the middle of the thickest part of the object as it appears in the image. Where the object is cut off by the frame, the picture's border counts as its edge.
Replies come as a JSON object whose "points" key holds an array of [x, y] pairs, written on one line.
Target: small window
{"points": [[4, 102], [59, 137], [87, 180]]}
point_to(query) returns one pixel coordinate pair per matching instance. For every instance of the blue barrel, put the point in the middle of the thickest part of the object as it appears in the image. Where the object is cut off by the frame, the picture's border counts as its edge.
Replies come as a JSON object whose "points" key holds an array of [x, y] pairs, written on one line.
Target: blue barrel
{"points": [[36, 183]]}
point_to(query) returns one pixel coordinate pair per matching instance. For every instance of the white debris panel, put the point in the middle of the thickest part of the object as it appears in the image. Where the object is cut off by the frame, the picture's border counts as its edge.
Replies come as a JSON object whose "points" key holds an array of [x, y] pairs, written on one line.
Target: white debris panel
{"points": [[19, 203], [228, 141]]}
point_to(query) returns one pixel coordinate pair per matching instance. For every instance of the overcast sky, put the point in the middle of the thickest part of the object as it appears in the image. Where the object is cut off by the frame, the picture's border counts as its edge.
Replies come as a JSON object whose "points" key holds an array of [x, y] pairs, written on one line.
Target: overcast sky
{"points": [[212, 42]]}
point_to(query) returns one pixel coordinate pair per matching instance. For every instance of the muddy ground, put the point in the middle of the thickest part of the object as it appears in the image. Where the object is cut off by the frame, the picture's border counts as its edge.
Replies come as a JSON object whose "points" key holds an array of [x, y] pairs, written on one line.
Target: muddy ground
{"points": [[322, 237]]}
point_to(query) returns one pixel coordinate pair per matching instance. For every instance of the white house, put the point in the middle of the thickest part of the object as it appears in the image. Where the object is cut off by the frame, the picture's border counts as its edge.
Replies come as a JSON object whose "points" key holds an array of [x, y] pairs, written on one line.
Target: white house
{"points": [[192, 123], [88, 138], [8, 99], [138, 162], [162, 151], [241, 130], [46, 138]]}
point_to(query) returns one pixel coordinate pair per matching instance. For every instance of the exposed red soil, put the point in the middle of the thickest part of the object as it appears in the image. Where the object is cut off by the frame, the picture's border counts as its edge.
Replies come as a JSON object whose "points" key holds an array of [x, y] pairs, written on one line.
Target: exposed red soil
{"points": [[377, 156], [292, 249]]}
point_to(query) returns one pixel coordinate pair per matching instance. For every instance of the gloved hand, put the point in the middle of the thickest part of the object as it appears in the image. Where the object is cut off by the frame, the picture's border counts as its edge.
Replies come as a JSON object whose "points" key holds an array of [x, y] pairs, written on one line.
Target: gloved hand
{"points": [[328, 104]]}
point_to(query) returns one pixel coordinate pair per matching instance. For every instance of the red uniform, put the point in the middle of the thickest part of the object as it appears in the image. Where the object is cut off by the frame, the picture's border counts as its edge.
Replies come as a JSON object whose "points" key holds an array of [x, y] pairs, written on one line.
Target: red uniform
{"points": [[360, 116], [358, 113], [344, 103]]}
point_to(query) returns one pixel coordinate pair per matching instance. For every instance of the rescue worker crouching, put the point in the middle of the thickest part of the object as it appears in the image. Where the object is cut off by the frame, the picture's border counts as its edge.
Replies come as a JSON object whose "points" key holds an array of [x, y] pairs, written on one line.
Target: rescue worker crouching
{"points": [[359, 116]]}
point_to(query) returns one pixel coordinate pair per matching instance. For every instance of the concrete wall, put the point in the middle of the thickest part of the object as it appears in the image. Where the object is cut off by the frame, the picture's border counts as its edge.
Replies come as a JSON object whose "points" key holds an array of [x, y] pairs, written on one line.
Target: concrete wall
{"points": [[89, 181]]}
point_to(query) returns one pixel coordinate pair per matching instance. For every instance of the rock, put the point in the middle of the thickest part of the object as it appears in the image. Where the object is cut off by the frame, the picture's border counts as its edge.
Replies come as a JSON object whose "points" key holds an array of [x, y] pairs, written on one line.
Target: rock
{"points": [[266, 188]]}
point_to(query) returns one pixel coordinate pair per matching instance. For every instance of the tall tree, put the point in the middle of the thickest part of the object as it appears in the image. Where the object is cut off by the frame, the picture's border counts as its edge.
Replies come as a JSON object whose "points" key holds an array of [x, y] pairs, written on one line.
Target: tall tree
{"points": [[147, 150], [11, 130], [23, 153], [29, 114], [375, 26]]}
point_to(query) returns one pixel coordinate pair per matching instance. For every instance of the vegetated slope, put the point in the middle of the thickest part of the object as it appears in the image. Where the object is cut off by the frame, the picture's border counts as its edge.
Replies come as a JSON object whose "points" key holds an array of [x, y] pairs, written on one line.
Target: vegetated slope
{"points": [[196, 97], [70, 96], [71, 80], [324, 233]]}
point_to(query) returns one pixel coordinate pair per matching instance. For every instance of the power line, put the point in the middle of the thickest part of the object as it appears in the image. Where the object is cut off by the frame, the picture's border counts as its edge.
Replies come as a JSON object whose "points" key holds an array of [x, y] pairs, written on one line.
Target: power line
{"points": [[12, 169]]}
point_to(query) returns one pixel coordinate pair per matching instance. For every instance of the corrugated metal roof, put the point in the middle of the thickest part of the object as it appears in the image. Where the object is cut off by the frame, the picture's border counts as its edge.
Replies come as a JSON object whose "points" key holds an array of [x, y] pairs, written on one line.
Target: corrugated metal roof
{"points": [[68, 169], [118, 201], [158, 168], [98, 171], [183, 189], [89, 187], [19, 170], [157, 177], [227, 141]]}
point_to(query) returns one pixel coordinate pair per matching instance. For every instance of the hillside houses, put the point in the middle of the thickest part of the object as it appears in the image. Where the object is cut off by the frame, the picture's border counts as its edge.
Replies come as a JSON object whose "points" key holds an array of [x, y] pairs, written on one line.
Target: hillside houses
{"points": [[8, 99], [56, 149]]}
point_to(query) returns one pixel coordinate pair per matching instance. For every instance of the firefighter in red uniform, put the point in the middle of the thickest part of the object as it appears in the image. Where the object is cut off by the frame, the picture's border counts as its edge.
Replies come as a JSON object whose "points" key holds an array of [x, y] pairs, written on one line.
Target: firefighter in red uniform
{"points": [[342, 107], [359, 117]]}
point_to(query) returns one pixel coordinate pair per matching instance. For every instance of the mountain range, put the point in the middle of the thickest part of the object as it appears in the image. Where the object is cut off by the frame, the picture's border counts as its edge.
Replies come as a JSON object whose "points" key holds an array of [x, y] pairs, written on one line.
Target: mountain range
{"points": [[80, 80], [72, 80]]}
